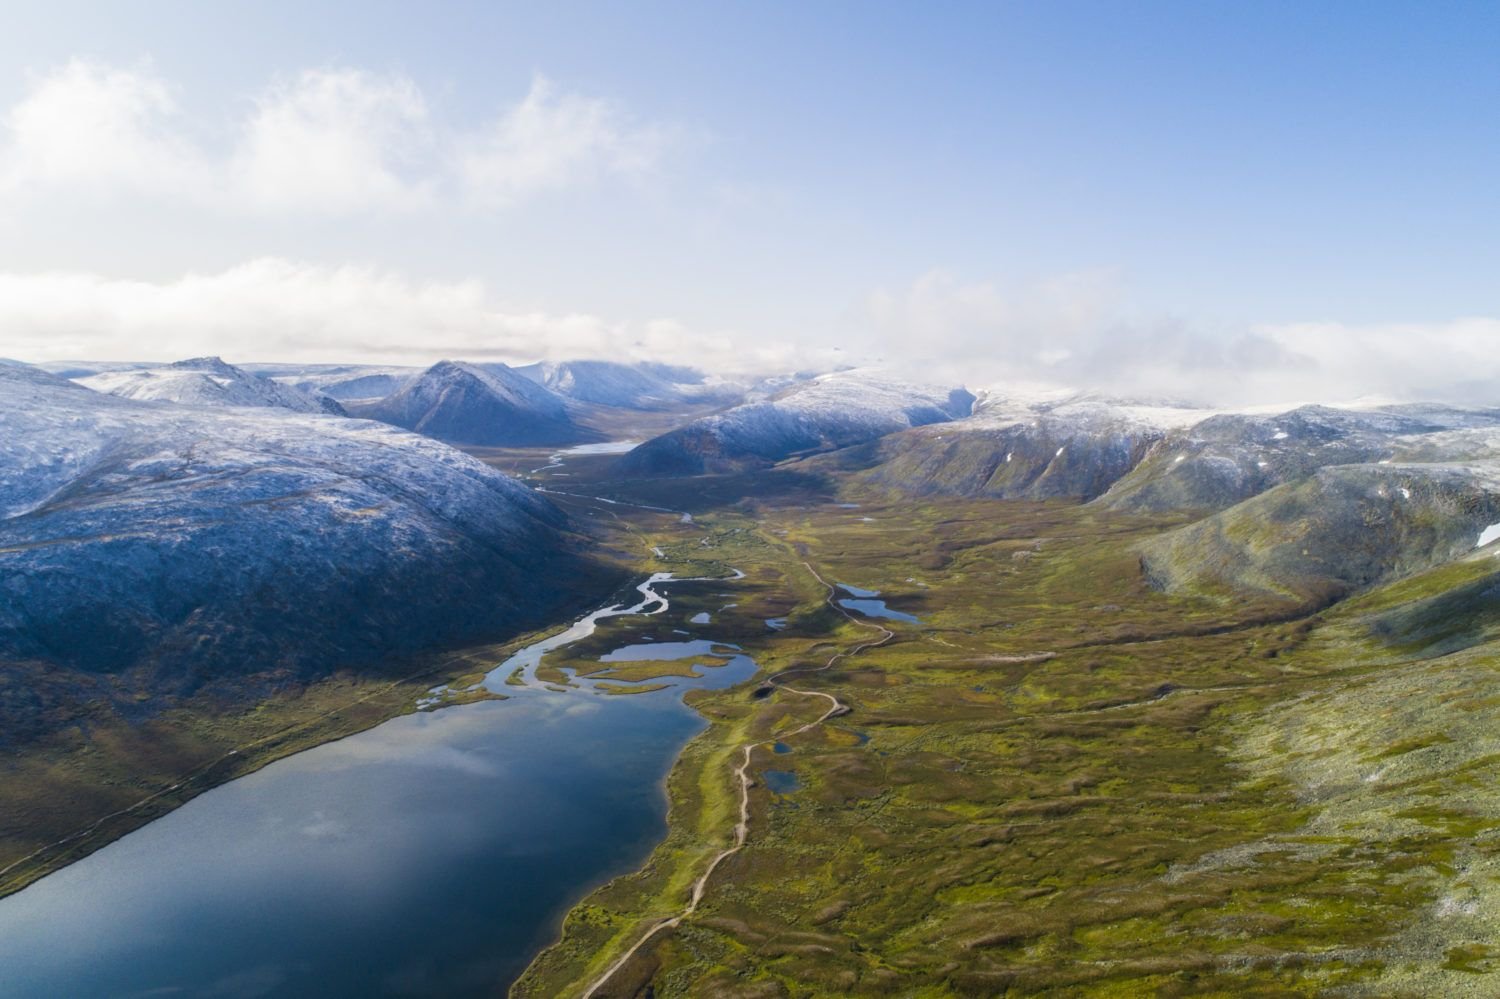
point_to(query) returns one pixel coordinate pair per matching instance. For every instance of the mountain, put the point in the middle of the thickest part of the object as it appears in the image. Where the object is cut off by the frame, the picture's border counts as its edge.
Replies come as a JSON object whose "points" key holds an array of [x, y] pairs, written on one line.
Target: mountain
{"points": [[1017, 448], [642, 386], [344, 382], [148, 551], [1140, 456], [827, 412], [1341, 529], [491, 406], [207, 381], [1232, 457]]}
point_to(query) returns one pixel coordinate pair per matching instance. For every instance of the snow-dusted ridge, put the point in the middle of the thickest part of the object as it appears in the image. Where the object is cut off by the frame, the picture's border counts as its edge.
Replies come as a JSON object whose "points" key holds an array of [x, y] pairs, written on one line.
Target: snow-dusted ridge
{"points": [[822, 413], [200, 542], [642, 386], [207, 381], [344, 382], [480, 405]]}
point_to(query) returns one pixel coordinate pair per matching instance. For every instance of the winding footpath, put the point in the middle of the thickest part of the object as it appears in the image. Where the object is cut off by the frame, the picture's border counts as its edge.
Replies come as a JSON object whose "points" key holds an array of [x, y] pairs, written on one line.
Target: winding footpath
{"points": [[742, 774]]}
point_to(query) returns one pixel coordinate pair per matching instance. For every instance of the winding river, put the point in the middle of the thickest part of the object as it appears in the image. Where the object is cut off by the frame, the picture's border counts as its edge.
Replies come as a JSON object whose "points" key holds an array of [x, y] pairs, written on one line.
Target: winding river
{"points": [[432, 855]]}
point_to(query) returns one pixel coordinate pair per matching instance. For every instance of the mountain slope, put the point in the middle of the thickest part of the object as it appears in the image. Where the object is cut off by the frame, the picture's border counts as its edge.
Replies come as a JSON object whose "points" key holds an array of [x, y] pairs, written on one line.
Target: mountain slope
{"points": [[148, 551], [491, 406], [1075, 447], [1140, 457], [828, 412], [1231, 457], [207, 381], [1340, 530]]}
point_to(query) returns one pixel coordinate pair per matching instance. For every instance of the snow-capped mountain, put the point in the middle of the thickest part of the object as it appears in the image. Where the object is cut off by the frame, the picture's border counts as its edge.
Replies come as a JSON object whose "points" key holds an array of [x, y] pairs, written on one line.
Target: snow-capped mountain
{"points": [[167, 547], [1314, 502], [344, 382], [207, 381], [1230, 457], [824, 413], [1025, 447], [643, 386], [1139, 455], [489, 406]]}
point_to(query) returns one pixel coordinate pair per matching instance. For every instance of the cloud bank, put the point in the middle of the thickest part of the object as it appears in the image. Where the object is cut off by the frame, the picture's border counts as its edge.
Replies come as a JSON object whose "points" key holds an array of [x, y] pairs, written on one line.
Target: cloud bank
{"points": [[1067, 332], [1076, 331], [324, 142], [281, 310]]}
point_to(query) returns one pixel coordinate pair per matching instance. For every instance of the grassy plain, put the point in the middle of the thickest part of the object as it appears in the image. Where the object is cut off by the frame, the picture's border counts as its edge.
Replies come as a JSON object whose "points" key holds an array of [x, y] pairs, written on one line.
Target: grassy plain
{"points": [[1062, 782]]}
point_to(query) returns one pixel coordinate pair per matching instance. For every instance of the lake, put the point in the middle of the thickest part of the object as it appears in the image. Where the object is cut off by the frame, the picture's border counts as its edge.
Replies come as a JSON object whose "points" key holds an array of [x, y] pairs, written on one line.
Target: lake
{"points": [[434, 855]]}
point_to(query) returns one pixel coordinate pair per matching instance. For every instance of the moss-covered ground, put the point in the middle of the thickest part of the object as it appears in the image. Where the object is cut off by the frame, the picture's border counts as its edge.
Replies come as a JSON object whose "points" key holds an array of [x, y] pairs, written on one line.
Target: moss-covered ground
{"points": [[1063, 781]]}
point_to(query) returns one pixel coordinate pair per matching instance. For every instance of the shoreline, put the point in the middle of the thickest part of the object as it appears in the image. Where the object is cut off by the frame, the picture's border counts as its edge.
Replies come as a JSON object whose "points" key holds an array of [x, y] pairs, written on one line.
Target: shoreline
{"points": [[328, 723], [742, 777]]}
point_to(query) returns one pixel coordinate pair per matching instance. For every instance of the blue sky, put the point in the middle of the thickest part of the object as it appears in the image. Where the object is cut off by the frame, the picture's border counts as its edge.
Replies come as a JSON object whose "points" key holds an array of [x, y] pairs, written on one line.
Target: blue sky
{"points": [[1220, 184]]}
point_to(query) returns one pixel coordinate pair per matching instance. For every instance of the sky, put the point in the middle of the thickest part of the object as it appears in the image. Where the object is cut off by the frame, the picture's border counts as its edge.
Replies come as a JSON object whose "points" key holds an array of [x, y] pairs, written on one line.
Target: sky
{"points": [[1190, 200]]}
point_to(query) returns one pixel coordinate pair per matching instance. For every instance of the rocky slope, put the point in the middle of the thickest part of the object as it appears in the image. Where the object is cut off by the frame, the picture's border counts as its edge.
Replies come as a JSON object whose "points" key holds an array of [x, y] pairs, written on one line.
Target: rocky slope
{"points": [[490, 406], [207, 381], [149, 550], [1144, 457], [1073, 447], [825, 413], [1232, 457]]}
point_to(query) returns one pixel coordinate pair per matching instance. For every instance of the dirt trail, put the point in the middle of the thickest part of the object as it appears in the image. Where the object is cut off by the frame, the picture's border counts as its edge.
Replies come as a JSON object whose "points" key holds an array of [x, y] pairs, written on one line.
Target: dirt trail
{"points": [[742, 774]]}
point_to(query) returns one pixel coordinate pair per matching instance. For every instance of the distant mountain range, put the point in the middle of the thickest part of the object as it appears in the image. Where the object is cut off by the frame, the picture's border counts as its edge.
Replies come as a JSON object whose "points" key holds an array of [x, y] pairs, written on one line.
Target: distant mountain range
{"points": [[824, 413], [344, 382], [476, 404], [1314, 500], [208, 381]]}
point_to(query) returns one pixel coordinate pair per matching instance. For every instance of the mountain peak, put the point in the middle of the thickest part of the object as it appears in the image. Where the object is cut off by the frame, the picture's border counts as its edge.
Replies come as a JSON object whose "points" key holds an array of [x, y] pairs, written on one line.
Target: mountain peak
{"points": [[488, 405]]}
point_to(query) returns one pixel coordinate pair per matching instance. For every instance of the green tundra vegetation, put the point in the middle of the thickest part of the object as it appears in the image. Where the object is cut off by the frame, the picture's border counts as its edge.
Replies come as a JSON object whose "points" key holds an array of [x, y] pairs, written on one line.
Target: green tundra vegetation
{"points": [[1064, 779]]}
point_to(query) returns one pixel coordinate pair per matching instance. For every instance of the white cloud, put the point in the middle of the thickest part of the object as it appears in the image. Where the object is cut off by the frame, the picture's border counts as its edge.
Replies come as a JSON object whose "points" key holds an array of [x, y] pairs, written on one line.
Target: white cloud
{"points": [[91, 129], [326, 141], [1067, 332], [1456, 359], [982, 321], [553, 140], [1077, 331], [279, 310], [336, 141]]}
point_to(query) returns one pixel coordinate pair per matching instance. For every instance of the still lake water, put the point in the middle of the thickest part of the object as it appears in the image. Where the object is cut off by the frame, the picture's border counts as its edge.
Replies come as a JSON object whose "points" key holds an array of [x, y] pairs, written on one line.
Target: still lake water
{"points": [[433, 855]]}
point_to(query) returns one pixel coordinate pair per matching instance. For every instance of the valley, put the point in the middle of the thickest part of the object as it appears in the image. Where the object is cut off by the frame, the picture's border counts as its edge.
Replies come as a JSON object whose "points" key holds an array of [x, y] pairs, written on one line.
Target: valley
{"points": [[1063, 779], [1051, 701], [749, 501]]}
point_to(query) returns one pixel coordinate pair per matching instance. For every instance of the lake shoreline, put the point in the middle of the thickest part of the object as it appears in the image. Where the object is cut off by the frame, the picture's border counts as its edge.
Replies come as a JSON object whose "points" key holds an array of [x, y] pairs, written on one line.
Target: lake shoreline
{"points": [[310, 723]]}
